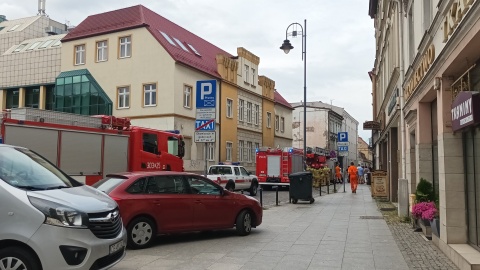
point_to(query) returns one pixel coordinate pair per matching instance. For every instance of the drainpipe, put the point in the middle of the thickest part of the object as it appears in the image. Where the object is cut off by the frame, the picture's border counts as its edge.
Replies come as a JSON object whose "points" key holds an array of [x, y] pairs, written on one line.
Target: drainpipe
{"points": [[400, 94]]}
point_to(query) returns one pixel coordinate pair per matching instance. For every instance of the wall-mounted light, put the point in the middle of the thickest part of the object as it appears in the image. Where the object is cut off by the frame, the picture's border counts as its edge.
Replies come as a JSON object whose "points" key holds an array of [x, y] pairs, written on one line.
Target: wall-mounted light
{"points": [[437, 83]]}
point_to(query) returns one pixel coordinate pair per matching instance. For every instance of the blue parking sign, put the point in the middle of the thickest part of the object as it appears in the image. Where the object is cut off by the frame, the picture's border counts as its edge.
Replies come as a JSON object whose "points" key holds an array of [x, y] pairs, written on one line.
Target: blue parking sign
{"points": [[206, 94], [342, 137]]}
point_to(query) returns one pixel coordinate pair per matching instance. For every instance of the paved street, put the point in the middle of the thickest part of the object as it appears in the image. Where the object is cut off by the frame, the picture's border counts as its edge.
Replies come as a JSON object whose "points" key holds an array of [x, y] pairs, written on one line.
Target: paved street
{"points": [[338, 231]]}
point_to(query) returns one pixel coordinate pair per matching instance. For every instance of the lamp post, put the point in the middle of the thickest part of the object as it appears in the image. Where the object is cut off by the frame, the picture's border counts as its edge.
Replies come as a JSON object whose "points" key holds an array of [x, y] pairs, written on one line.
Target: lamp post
{"points": [[286, 47]]}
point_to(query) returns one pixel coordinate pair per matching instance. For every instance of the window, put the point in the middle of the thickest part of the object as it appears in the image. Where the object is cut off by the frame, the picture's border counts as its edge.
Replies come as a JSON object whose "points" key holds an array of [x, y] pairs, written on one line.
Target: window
{"points": [[249, 151], [241, 111], [33, 46], [181, 44], [79, 54], [48, 42], [247, 77], [13, 28], [102, 53], [123, 97], [138, 187], [166, 184], [269, 119], [150, 143], [249, 112], [211, 152], [243, 171], [282, 124], [253, 76], [229, 151], [237, 170], [193, 49], [202, 187], [150, 95], [187, 96], [168, 38], [125, 47], [57, 43], [229, 108], [241, 145], [20, 47], [13, 98], [32, 97], [256, 114], [257, 146], [276, 123]]}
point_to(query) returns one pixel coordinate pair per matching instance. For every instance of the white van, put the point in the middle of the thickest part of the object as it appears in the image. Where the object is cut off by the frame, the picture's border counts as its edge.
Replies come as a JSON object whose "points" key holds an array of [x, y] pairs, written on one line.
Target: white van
{"points": [[50, 221]]}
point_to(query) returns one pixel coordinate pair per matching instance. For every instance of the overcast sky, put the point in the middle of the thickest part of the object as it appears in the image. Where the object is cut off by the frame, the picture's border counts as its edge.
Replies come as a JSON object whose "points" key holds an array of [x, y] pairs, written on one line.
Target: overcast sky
{"points": [[340, 40]]}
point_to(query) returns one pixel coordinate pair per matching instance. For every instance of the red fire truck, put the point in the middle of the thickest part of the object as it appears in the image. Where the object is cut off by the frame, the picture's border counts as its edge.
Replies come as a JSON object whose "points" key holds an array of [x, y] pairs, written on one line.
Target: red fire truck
{"points": [[316, 157], [88, 148], [274, 165]]}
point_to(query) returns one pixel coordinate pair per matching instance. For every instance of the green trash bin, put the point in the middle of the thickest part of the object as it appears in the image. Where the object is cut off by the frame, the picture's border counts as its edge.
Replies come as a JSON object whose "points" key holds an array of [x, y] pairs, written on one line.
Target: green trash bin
{"points": [[301, 187]]}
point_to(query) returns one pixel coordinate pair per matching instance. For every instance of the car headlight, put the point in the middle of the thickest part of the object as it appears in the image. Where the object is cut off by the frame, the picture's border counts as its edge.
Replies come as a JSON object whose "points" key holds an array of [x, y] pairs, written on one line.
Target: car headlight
{"points": [[60, 215]]}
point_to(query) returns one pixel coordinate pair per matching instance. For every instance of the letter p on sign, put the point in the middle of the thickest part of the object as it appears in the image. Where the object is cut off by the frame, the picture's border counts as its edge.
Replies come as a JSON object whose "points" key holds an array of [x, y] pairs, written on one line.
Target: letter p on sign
{"points": [[205, 89], [343, 136]]}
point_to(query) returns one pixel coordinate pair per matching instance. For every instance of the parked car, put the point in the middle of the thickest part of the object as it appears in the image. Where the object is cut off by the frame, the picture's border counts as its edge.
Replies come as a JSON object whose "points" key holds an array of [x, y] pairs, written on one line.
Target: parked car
{"points": [[50, 221], [233, 177], [166, 202]]}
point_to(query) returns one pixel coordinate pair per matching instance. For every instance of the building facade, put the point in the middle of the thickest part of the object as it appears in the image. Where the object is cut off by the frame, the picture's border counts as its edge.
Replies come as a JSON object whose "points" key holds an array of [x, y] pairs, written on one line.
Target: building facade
{"points": [[134, 63], [283, 122], [433, 45], [324, 121], [364, 152], [29, 61]]}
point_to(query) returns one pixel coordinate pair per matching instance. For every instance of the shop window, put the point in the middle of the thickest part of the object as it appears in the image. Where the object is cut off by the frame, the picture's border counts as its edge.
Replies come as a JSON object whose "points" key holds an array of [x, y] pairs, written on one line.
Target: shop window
{"points": [[13, 98], [32, 97]]}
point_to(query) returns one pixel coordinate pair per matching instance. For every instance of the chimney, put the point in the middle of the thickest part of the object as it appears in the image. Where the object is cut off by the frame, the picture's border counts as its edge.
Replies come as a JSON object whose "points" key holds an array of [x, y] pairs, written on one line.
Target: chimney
{"points": [[41, 8]]}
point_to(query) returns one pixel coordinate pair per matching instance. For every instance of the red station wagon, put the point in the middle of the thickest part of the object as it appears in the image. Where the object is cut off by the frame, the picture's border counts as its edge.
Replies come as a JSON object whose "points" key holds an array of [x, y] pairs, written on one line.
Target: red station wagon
{"points": [[165, 202]]}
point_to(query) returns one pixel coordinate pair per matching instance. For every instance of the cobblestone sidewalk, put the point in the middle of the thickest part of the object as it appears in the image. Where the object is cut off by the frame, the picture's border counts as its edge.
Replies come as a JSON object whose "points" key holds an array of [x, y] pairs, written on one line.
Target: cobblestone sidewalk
{"points": [[418, 253]]}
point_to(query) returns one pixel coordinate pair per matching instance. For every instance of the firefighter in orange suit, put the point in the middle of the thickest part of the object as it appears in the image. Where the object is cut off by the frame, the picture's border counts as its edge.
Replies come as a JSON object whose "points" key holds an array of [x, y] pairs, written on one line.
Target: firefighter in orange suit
{"points": [[353, 175]]}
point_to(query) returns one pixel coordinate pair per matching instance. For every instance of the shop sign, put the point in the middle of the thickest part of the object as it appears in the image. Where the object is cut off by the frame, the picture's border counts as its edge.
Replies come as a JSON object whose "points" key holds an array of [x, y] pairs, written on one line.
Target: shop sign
{"points": [[420, 71], [380, 184], [371, 125], [393, 102], [465, 110], [454, 16]]}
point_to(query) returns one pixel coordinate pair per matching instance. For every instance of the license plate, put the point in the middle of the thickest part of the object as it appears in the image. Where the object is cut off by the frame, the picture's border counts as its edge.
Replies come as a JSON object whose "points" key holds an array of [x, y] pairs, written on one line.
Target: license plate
{"points": [[116, 247]]}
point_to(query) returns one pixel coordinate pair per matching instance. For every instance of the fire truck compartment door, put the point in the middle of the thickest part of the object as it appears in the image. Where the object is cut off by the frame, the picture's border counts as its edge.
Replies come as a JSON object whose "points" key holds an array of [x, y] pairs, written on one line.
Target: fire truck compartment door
{"points": [[42, 141], [273, 166], [116, 154], [81, 153]]}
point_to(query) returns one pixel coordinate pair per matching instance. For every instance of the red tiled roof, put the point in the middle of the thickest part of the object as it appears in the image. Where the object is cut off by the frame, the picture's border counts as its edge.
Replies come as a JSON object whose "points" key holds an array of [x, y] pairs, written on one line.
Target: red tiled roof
{"points": [[280, 100], [140, 16]]}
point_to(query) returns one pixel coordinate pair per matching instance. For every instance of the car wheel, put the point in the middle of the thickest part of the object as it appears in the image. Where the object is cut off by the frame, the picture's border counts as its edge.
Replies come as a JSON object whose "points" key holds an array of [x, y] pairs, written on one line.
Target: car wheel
{"points": [[18, 258], [244, 223], [253, 188], [141, 232]]}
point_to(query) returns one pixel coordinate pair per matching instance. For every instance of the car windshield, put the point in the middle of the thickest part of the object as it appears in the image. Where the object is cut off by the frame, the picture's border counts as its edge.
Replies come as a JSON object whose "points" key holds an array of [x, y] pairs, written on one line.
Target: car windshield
{"points": [[108, 184], [25, 169], [220, 170]]}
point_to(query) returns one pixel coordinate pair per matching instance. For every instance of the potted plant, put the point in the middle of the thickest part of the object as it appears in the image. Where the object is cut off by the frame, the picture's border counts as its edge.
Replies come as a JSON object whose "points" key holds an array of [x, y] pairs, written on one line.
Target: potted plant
{"points": [[425, 212]]}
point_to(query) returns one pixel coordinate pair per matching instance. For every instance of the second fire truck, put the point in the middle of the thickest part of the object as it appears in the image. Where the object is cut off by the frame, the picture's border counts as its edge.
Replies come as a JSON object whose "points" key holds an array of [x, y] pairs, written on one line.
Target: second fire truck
{"points": [[274, 165]]}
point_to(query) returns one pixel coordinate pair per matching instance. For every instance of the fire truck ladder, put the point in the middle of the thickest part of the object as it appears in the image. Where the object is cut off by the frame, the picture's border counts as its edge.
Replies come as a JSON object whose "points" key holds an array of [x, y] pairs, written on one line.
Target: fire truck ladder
{"points": [[284, 164]]}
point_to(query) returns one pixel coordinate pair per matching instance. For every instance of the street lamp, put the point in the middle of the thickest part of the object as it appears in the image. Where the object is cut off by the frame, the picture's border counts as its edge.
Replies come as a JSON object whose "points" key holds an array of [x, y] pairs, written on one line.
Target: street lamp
{"points": [[286, 47]]}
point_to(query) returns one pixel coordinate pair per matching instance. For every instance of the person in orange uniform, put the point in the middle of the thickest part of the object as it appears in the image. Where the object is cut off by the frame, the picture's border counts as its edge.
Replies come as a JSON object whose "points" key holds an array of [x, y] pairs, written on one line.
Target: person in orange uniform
{"points": [[338, 175], [353, 175]]}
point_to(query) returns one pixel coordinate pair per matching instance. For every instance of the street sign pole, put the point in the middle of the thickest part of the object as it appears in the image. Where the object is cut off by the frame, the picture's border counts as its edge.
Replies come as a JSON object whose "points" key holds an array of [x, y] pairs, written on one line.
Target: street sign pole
{"points": [[206, 159]]}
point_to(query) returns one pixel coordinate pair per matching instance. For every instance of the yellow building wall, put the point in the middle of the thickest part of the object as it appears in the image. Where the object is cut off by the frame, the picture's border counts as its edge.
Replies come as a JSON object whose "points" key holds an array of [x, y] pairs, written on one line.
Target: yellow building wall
{"points": [[228, 127], [268, 106]]}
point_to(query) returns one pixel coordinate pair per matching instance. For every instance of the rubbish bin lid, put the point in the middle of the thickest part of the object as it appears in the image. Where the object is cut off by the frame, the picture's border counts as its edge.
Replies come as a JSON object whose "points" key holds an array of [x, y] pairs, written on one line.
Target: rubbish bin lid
{"points": [[300, 174]]}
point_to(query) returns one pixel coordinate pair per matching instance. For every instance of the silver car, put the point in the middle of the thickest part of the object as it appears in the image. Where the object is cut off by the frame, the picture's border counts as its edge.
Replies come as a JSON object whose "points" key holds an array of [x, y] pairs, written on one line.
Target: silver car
{"points": [[50, 221]]}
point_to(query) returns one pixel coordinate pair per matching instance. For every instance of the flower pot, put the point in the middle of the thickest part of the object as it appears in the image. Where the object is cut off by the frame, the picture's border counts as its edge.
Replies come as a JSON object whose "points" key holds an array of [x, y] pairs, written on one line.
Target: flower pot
{"points": [[435, 224], [426, 229]]}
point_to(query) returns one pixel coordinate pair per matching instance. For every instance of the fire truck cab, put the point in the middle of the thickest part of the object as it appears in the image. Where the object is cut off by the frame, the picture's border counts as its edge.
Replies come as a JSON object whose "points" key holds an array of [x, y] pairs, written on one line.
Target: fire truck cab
{"points": [[274, 165]]}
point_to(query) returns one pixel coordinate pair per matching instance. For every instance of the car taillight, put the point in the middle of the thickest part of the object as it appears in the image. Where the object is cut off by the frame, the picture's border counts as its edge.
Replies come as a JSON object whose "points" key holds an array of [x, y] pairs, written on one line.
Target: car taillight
{"points": [[219, 180]]}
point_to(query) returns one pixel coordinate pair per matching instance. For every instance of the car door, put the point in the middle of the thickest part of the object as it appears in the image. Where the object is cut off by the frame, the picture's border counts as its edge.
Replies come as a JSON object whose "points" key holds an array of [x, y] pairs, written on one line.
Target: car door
{"points": [[172, 205], [238, 178], [247, 180], [211, 209]]}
